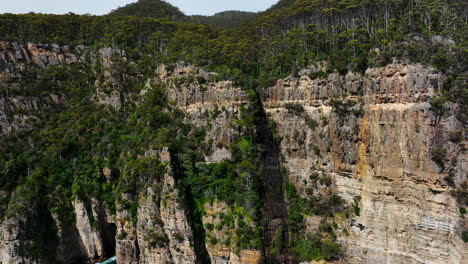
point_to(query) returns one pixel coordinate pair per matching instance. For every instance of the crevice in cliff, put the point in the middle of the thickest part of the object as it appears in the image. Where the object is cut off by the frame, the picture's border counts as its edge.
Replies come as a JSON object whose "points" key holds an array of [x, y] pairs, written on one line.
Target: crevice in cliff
{"points": [[137, 251], [109, 241], [193, 216], [274, 208]]}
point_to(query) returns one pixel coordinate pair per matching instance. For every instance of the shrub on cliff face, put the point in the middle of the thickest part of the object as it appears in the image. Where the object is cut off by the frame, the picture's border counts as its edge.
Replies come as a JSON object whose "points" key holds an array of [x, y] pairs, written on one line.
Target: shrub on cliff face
{"points": [[462, 211], [438, 156], [278, 241], [311, 123], [312, 247], [330, 250], [345, 108], [465, 236], [357, 209], [178, 236], [438, 107], [295, 109], [307, 249], [156, 239], [209, 226]]}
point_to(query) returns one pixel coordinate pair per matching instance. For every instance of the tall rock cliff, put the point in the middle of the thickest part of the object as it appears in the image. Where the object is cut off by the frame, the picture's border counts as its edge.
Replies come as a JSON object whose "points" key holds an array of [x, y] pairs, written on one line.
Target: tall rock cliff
{"points": [[374, 136], [373, 165]]}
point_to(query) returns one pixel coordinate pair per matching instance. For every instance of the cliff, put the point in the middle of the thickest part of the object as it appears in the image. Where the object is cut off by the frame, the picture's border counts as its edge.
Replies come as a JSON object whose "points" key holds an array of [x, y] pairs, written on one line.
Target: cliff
{"points": [[379, 156], [370, 163]]}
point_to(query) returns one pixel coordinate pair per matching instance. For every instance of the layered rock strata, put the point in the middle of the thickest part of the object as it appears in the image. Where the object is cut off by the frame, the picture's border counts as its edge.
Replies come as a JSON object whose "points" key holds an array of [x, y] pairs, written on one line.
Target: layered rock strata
{"points": [[370, 138], [378, 155]]}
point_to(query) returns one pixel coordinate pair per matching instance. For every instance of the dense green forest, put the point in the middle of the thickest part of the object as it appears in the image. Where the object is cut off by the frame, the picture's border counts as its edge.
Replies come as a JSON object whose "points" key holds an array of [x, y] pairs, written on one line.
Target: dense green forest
{"points": [[61, 157], [160, 9], [226, 19], [350, 35], [149, 8]]}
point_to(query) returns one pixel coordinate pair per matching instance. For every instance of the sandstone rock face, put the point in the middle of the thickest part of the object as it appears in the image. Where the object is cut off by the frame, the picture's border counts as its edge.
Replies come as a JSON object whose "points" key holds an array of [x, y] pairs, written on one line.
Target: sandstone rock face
{"points": [[69, 249], [174, 218], [378, 154], [13, 120], [9, 238], [15, 56], [17, 110], [92, 244], [367, 137], [213, 106], [108, 83], [84, 240], [162, 233], [222, 252]]}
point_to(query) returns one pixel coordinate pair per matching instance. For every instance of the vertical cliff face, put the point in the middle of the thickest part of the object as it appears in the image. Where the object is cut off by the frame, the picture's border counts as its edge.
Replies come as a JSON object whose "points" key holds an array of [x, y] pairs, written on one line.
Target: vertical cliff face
{"points": [[215, 107], [17, 108], [160, 232], [377, 152], [373, 139]]}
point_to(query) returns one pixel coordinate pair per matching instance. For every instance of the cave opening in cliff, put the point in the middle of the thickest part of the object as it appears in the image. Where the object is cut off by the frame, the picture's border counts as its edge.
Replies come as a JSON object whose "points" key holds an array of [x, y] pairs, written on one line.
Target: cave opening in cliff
{"points": [[110, 231]]}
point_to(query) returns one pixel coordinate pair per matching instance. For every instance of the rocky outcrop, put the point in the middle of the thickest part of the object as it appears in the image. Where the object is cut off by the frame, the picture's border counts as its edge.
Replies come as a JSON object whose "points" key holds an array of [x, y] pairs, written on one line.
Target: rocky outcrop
{"points": [[16, 56], [161, 232], [96, 230], [110, 78], [9, 238], [174, 218], [221, 234], [373, 135], [69, 246], [19, 106], [213, 106], [14, 113]]}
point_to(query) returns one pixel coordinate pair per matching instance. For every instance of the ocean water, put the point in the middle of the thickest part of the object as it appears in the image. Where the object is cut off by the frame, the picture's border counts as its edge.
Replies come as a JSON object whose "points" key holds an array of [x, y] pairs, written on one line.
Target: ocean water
{"points": [[112, 260]]}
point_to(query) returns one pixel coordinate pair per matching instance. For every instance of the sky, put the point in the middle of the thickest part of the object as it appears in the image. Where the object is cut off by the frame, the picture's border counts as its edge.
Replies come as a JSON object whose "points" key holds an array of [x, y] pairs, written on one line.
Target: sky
{"points": [[99, 7]]}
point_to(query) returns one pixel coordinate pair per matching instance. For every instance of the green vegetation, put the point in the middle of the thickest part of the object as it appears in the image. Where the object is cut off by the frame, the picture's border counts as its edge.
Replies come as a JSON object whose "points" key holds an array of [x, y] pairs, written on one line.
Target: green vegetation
{"points": [[438, 156], [62, 156], [235, 181], [150, 8], [462, 211], [161, 9], [343, 109], [350, 35], [438, 107], [454, 91], [356, 208], [226, 19], [314, 248], [209, 226], [295, 109], [278, 241], [311, 246], [465, 236], [311, 123], [155, 239]]}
